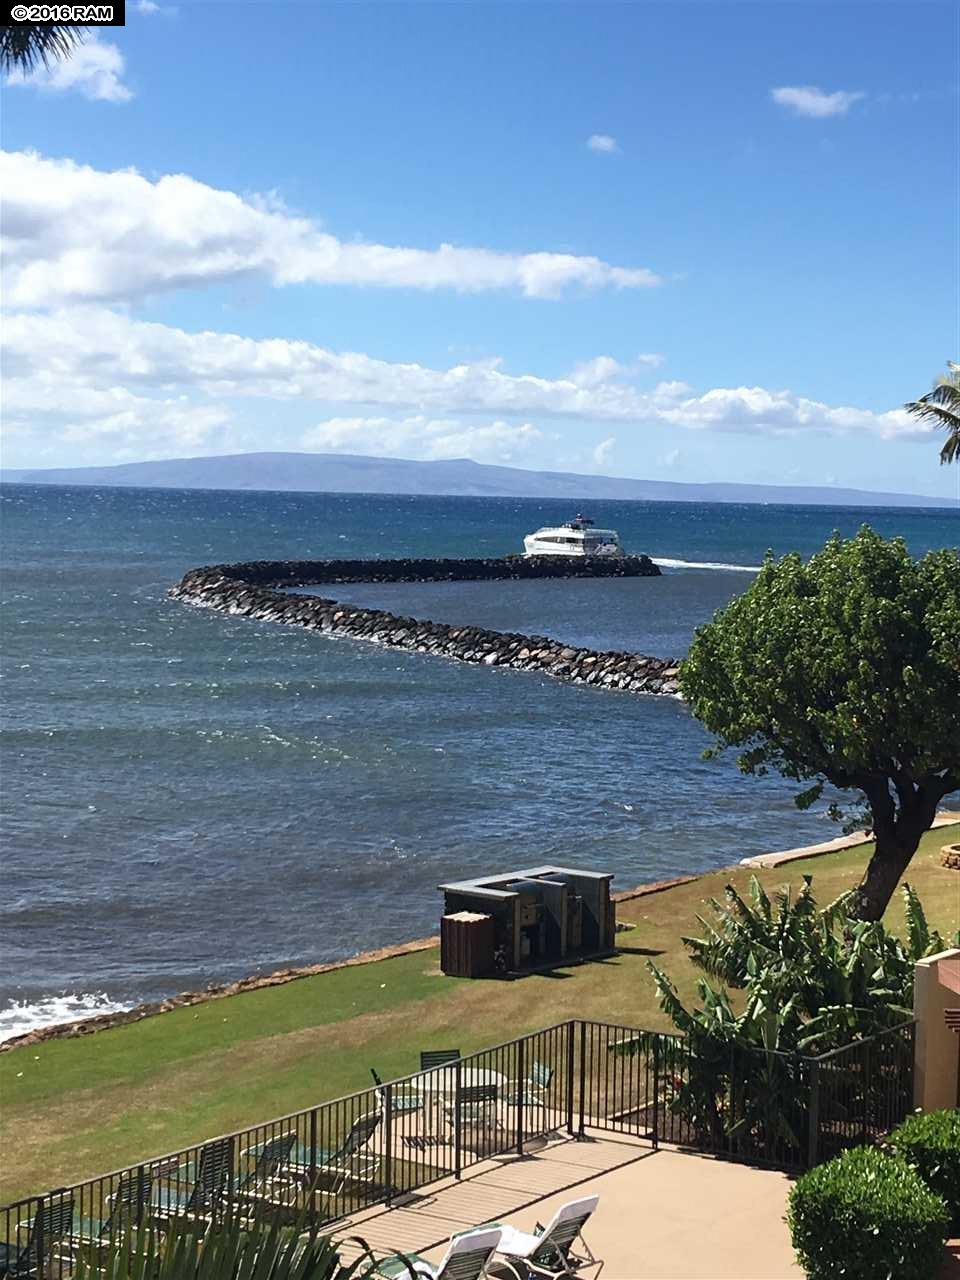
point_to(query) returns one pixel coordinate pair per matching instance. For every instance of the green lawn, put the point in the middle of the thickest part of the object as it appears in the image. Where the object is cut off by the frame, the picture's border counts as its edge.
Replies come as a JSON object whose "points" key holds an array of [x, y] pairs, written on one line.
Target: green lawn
{"points": [[77, 1108]]}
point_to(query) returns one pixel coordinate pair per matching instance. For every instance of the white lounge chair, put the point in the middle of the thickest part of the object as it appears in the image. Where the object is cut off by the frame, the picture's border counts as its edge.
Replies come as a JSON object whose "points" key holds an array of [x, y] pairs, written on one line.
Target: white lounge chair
{"points": [[550, 1252], [467, 1258]]}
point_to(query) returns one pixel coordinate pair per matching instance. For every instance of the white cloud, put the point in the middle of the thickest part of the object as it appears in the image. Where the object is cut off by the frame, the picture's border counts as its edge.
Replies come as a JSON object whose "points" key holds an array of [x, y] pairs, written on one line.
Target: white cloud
{"points": [[808, 100], [95, 69], [602, 142], [110, 416], [590, 373], [603, 452], [73, 233], [426, 438], [95, 349]]}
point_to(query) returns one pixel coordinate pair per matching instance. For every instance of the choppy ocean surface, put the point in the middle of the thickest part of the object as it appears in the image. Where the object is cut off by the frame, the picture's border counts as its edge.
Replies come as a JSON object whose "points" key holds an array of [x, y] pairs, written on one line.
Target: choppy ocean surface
{"points": [[189, 797]]}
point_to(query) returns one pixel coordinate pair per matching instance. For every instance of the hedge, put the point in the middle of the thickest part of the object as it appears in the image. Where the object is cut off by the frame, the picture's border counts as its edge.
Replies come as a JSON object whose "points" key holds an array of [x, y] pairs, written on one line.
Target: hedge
{"points": [[930, 1144], [867, 1216]]}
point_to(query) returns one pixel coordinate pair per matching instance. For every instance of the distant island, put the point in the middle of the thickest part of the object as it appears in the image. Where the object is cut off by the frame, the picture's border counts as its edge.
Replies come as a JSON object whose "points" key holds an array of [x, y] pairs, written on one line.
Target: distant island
{"points": [[458, 477]]}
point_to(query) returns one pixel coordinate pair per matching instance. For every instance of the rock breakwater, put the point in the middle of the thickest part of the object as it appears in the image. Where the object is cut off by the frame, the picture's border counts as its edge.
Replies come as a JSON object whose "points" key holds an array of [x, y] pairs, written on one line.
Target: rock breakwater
{"points": [[253, 590]]}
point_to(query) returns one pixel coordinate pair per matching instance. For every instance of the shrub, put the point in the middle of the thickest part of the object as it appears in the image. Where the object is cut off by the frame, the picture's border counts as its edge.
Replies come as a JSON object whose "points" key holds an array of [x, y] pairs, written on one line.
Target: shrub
{"points": [[867, 1216], [930, 1144]]}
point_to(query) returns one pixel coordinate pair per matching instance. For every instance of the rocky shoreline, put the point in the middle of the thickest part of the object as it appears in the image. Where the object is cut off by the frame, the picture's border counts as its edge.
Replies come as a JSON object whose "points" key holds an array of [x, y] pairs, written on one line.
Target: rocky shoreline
{"points": [[261, 589]]}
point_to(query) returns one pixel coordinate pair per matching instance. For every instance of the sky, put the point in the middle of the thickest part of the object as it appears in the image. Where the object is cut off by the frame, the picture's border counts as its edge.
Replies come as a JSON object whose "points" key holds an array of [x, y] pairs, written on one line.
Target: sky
{"points": [[681, 241]]}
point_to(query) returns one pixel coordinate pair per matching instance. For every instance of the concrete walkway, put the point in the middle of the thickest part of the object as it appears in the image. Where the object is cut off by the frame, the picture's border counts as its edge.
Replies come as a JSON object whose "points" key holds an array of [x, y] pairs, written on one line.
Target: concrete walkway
{"points": [[663, 1215]]}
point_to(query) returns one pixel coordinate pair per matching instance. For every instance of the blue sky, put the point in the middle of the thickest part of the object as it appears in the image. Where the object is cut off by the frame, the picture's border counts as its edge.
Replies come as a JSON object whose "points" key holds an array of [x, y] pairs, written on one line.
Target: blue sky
{"points": [[759, 245]]}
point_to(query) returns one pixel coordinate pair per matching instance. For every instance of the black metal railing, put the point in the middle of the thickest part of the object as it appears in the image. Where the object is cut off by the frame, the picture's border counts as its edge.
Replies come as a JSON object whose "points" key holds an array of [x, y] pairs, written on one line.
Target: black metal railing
{"points": [[323, 1164]]}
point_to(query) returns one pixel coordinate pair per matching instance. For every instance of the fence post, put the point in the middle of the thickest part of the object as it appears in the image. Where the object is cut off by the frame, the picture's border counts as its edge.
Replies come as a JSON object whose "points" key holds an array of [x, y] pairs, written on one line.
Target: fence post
{"points": [[813, 1112], [571, 1067], [521, 1091], [656, 1091], [583, 1075], [457, 1119], [866, 1090], [313, 1167], [386, 1101]]}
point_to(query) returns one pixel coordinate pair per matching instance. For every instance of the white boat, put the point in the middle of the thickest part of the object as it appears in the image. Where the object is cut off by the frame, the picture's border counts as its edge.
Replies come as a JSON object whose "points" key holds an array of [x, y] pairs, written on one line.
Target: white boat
{"points": [[577, 537]]}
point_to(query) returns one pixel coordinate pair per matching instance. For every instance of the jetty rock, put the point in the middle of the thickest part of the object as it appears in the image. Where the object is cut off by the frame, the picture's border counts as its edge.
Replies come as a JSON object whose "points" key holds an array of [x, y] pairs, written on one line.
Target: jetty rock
{"points": [[263, 589]]}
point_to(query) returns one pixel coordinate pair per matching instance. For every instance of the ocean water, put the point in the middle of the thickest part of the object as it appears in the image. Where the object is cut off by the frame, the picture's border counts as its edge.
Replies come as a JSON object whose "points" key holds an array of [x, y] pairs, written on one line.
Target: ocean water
{"points": [[189, 797]]}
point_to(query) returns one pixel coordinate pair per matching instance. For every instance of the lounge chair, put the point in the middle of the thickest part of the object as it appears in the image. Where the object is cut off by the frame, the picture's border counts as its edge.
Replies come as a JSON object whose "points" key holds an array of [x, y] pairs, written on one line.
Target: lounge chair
{"points": [[404, 1098], [304, 1165], [50, 1229], [533, 1090], [430, 1059], [198, 1194], [549, 1252], [128, 1206], [467, 1258]]}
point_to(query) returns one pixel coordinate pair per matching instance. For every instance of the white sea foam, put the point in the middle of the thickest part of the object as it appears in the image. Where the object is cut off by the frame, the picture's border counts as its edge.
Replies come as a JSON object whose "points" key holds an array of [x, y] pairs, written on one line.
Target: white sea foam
{"points": [[705, 564], [20, 1016]]}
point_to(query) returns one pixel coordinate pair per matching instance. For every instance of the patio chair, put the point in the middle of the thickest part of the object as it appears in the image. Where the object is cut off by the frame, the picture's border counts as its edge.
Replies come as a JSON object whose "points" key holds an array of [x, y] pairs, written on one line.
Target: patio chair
{"points": [[50, 1228], [127, 1206], [430, 1059], [533, 1089], [198, 1194], [404, 1098], [477, 1107], [305, 1165], [549, 1253], [466, 1258], [271, 1159]]}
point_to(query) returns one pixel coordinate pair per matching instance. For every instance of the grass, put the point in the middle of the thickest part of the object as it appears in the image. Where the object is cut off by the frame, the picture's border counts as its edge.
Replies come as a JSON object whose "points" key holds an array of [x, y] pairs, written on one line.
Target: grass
{"points": [[77, 1108]]}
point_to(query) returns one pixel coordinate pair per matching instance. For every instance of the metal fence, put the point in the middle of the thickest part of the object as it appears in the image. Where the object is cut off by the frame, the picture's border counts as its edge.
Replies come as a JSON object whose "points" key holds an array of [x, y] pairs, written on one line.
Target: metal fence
{"points": [[320, 1165]]}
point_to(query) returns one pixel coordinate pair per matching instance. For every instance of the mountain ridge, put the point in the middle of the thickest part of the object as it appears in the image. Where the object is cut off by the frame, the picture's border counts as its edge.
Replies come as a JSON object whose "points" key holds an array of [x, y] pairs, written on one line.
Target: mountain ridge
{"points": [[456, 477]]}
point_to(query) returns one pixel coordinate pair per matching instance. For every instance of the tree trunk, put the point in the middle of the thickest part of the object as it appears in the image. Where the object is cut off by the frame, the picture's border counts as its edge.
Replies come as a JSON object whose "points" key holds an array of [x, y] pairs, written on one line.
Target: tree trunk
{"points": [[897, 834]]}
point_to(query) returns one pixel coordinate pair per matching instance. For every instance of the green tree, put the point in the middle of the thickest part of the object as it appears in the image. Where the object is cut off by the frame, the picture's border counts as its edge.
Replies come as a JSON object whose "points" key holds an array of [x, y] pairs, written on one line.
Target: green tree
{"points": [[844, 670], [27, 45], [942, 407]]}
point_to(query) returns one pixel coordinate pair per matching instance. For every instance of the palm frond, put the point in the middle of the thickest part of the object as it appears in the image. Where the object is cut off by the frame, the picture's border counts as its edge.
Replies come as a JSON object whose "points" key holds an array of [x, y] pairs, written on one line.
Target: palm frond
{"points": [[25, 48], [942, 407]]}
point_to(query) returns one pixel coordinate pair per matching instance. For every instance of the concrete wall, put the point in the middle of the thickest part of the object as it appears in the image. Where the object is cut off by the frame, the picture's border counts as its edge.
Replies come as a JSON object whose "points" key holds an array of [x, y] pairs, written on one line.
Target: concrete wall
{"points": [[936, 988]]}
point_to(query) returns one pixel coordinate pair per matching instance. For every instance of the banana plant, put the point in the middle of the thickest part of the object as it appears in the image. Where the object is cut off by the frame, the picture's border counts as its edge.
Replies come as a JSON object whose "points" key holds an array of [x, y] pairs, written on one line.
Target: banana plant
{"points": [[228, 1252], [814, 979]]}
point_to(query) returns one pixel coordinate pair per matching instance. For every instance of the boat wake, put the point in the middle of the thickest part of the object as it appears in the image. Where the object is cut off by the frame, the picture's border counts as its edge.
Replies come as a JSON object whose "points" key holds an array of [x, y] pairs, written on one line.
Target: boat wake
{"points": [[704, 564], [20, 1016]]}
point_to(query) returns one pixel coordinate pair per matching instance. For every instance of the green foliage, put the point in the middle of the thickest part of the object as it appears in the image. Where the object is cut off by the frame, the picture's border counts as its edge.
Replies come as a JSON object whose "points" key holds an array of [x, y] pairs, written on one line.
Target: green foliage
{"points": [[814, 979], [866, 1216], [223, 1253], [941, 406], [837, 668], [930, 1144], [844, 670]]}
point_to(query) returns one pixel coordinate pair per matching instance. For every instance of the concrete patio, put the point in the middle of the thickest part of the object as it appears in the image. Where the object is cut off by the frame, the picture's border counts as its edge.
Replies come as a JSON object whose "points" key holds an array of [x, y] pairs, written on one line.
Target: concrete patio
{"points": [[663, 1215]]}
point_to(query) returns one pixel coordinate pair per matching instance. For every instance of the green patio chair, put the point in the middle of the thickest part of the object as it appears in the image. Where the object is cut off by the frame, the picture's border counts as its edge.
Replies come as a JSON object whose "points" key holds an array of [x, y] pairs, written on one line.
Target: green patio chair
{"points": [[532, 1090], [476, 1106], [305, 1165], [430, 1059], [199, 1189], [49, 1232], [128, 1206]]}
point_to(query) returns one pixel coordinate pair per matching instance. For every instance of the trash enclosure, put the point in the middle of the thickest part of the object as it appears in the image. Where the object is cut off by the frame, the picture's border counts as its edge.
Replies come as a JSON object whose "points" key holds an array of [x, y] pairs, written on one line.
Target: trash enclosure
{"points": [[525, 920]]}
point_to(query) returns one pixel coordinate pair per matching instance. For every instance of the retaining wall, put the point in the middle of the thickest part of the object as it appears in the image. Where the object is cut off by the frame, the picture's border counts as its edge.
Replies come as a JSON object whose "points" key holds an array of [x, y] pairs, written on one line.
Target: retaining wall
{"points": [[252, 590]]}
